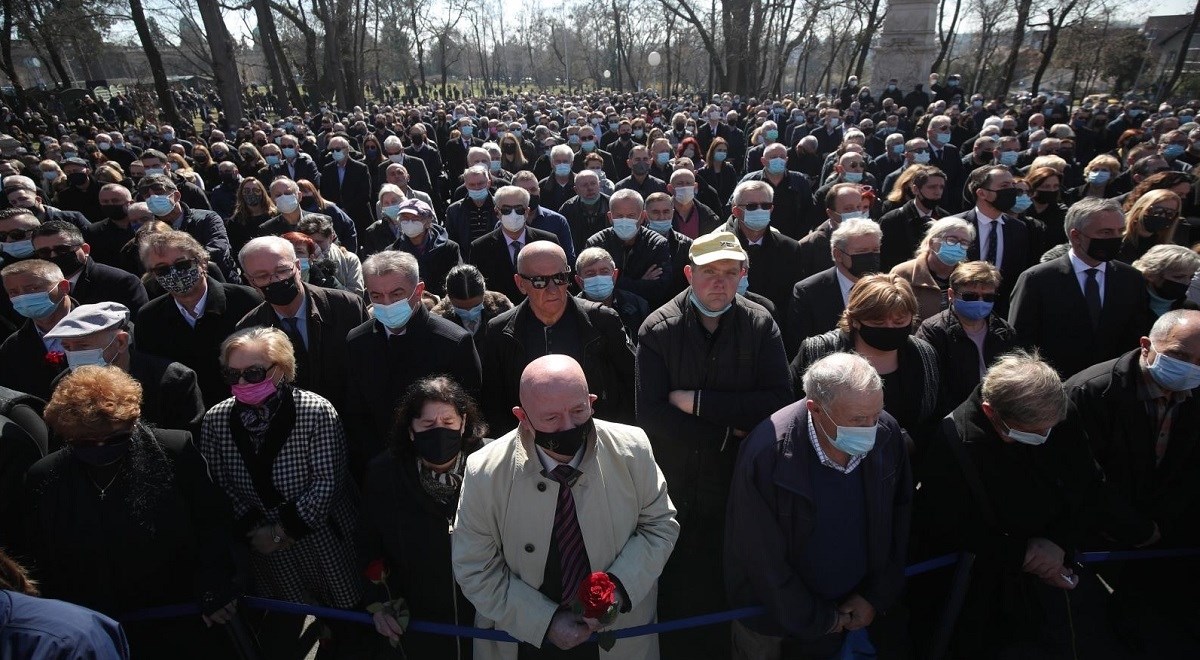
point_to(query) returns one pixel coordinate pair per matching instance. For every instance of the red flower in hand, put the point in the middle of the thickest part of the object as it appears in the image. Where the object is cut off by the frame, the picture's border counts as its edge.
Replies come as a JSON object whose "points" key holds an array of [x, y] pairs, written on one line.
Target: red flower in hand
{"points": [[376, 572], [598, 595], [56, 359]]}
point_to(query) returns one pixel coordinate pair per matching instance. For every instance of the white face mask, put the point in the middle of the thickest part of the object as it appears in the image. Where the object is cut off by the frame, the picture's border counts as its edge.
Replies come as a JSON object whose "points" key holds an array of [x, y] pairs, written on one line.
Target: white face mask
{"points": [[412, 228], [512, 222]]}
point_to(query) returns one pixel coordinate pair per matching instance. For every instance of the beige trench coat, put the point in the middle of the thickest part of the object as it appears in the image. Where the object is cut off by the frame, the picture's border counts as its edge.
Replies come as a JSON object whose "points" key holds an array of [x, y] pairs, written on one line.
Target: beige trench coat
{"points": [[504, 525]]}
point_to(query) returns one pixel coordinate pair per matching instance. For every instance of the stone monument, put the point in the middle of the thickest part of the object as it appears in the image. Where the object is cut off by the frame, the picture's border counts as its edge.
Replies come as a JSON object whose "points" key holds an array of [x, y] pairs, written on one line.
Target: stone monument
{"points": [[907, 45]]}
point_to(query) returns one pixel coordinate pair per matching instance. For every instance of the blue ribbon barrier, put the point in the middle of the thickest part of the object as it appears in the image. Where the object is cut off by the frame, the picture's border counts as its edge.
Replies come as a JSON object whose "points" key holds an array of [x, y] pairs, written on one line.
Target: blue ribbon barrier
{"points": [[434, 628]]}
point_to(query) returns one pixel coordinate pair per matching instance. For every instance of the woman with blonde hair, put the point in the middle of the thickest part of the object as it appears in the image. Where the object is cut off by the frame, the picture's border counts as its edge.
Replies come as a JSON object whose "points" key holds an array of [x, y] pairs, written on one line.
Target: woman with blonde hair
{"points": [[279, 453], [1151, 221], [877, 324]]}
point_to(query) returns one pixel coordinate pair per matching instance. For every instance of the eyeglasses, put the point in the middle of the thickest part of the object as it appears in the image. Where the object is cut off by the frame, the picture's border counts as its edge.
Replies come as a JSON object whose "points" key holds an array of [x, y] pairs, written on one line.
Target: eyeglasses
{"points": [[181, 266], [253, 375], [56, 251], [509, 209], [766, 206], [540, 282], [954, 240], [281, 273], [968, 296], [17, 234]]}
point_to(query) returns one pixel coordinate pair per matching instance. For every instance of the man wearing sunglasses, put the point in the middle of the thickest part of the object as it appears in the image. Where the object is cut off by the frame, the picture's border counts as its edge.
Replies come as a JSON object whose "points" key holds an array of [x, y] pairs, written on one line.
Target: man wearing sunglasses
{"points": [[315, 319], [99, 335], [495, 253], [550, 320], [62, 244], [164, 199], [188, 324]]}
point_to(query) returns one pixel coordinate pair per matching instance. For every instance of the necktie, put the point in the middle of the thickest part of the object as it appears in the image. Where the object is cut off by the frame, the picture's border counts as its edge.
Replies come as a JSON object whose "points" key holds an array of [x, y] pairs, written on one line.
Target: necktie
{"points": [[991, 248], [516, 249], [1091, 293], [291, 327], [569, 537]]}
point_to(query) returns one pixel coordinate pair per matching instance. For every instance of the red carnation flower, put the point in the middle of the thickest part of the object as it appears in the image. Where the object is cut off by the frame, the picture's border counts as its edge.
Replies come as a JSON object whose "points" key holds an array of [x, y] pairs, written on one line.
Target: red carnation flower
{"points": [[376, 572], [56, 359], [597, 594]]}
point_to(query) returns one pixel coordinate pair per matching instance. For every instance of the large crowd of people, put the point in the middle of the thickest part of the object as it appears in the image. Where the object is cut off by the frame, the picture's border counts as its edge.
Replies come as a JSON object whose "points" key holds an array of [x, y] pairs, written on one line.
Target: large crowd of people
{"points": [[470, 361]]}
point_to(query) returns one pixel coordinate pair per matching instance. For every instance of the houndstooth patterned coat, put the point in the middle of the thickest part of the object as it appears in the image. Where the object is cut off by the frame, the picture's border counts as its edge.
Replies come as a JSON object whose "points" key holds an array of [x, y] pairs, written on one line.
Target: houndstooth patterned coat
{"points": [[313, 498]]}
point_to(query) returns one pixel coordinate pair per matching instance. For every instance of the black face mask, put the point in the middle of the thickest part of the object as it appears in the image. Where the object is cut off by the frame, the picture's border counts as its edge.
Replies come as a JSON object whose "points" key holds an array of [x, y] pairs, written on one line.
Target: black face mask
{"points": [[1006, 198], [1045, 196], [438, 445], [1104, 249], [535, 203], [509, 148], [1155, 223], [928, 202], [864, 264], [565, 443], [113, 211], [68, 263], [229, 178], [113, 450], [77, 178], [884, 339], [281, 293], [1172, 290]]}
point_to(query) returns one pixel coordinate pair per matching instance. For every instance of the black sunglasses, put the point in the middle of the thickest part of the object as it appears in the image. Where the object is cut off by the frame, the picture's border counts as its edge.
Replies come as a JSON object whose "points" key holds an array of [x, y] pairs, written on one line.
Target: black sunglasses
{"points": [[509, 209], [542, 281], [766, 206], [181, 266], [253, 375], [969, 296], [56, 251], [1169, 214]]}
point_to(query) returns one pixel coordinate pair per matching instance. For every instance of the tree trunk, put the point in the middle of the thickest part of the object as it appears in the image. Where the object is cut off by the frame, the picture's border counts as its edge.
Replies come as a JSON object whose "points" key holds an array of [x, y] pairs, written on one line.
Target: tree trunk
{"points": [[224, 62], [6, 57], [868, 35], [1054, 28], [1014, 53], [945, 39], [412, 9], [262, 12], [154, 59], [1184, 47]]}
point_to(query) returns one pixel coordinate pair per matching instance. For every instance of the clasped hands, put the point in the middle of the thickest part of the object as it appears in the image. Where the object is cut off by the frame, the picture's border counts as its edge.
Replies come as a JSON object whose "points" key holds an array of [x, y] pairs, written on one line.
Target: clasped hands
{"points": [[568, 630]]}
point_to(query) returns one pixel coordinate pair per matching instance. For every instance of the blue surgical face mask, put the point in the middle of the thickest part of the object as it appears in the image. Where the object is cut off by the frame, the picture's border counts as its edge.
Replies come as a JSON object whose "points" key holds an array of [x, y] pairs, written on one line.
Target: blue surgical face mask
{"points": [[470, 315], [951, 254], [625, 228], [854, 440], [944, 138], [852, 215], [18, 249], [598, 287], [662, 158], [160, 205], [272, 160], [720, 156], [1034, 144], [494, 166], [661, 226], [921, 157], [339, 155], [1008, 158], [743, 285], [704, 310], [305, 266], [562, 169], [34, 305], [395, 315], [467, 130], [1025, 437], [88, 357], [1174, 374], [1098, 177], [756, 220], [898, 149], [777, 165], [477, 195], [392, 211], [289, 152], [771, 134], [852, 177], [973, 310], [1172, 151], [1022, 204]]}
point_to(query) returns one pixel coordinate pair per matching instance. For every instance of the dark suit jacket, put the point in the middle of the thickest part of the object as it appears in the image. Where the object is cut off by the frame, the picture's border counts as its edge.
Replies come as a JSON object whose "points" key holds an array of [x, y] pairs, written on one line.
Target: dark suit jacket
{"points": [[161, 330], [815, 308], [208, 228], [418, 175], [1106, 410], [815, 255], [106, 240], [1049, 311], [490, 254], [454, 157], [305, 168], [332, 314], [1018, 255], [381, 368], [903, 229], [649, 249], [24, 367], [99, 283], [774, 267], [353, 194]]}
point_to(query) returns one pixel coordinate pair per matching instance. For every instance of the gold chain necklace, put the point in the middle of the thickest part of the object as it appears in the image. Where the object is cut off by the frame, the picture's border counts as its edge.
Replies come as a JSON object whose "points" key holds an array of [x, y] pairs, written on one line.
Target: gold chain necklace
{"points": [[104, 490]]}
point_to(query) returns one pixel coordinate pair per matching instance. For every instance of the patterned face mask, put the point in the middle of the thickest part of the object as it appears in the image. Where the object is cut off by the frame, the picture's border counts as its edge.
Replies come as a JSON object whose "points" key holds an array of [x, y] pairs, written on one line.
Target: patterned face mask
{"points": [[177, 282]]}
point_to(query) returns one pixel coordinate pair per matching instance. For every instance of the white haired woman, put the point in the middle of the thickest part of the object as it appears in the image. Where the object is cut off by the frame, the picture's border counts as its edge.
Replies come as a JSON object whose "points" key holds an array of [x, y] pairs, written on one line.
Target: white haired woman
{"points": [[279, 453], [1168, 270], [944, 247]]}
